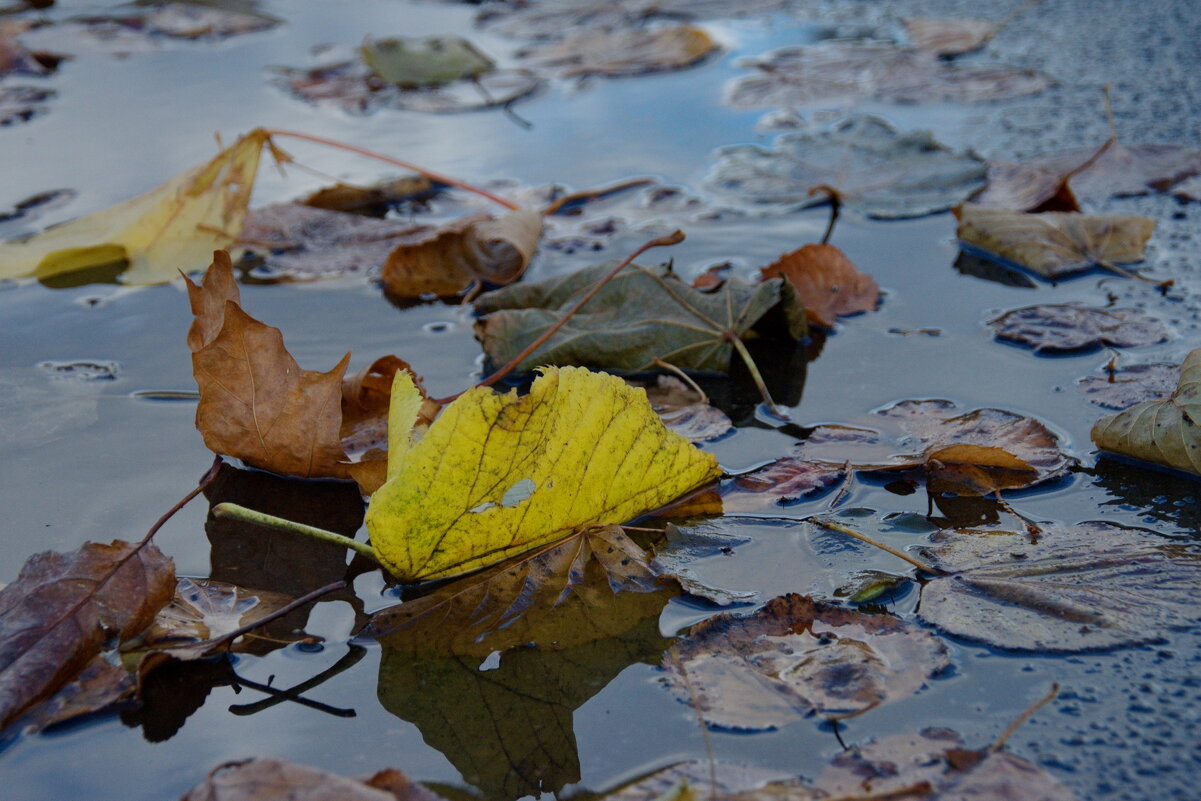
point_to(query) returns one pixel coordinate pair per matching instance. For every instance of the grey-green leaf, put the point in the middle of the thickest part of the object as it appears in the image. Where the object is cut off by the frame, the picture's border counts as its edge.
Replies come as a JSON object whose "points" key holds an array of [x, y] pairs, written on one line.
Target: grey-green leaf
{"points": [[416, 63]]}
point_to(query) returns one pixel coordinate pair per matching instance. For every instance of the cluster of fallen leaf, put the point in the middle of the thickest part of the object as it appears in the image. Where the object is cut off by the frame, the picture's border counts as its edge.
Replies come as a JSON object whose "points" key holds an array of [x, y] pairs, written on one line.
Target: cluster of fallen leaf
{"points": [[522, 498]]}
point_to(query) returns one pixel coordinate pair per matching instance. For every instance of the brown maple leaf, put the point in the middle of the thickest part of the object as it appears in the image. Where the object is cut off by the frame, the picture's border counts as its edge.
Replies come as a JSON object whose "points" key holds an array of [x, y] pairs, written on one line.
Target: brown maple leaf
{"points": [[827, 282]]}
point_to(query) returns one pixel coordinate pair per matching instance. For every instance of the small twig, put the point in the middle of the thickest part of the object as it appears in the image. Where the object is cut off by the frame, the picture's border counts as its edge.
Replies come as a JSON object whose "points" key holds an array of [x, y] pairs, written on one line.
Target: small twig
{"points": [[433, 176], [1113, 125], [642, 529], [683, 377], [593, 194], [204, 482], [663, 241], [835, 211], [674, 656], [850, 532], [848, 481], [233, 511], [1025, 716]]}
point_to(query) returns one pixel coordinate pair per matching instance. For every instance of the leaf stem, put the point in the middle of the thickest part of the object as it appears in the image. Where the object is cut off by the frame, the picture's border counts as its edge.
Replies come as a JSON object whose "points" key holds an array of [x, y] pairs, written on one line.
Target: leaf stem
{"points": [[751, 367], [233, 511], [827, 523], [670, 239], [1025, 716], [371, 154]]}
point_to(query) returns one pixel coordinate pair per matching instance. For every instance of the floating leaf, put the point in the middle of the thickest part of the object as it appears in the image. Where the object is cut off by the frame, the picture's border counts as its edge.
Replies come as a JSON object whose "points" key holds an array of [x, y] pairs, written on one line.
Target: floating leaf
{"points": [[15, 59], [1069, 326], [178, 21], [421, 63], [731, 779], [796, 656], [932, 764], [587, 587], [65, 607], [950, 37], [98, 686], [1085, 587], [473, 248], [643, 314], [827, 283], [1161, 431], [868, 164], [866, 69], [376, 199], [624, 51], [21, 104], [1026, 187], [497, 475], [685, 410], [295, 242], [203, 609], [508, 729], [782, 482], [1055, 243], [1126, 386], [1118, 170], [685, 546], [550, 19], [175, 227], [264, 779]]}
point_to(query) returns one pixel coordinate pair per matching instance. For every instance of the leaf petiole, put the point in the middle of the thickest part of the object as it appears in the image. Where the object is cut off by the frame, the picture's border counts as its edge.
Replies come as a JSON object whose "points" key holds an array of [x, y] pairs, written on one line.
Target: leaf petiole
{"points": [[232, 511]]}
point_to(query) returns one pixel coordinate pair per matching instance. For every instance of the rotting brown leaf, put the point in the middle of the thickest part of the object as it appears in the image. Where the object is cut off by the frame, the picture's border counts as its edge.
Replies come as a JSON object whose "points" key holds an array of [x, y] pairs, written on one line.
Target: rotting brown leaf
{"points": [[264, 779], [933, 765], [675, 558], [584, 588], [1085, 587], [15, 59], [1122, 388], [373, 200], [731, 780], [686, 410], [797, 656], [783, 482], [870, 69], [203, 609], [98, 686], [65, 608], [1055, 243], [623, 51], [1165, 432], [950, 37], [827, 282], [474, 248], [1069, 326], [1025, 187], [549, 19]]}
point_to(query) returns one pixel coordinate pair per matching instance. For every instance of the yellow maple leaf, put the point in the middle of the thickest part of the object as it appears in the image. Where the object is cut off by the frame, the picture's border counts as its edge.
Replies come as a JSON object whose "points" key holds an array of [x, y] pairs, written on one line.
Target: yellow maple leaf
{"points": [[496, 475], [174, 227]]}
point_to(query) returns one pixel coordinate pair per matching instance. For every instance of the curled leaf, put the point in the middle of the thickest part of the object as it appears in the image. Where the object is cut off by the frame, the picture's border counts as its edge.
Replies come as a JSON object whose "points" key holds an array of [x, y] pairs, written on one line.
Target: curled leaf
{"points": [[827, 282]]}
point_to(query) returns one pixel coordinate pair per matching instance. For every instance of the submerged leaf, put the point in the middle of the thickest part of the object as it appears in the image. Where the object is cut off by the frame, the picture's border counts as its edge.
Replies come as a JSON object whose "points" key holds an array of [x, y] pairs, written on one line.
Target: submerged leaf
{"points": [[21, 104], [587, 587], [264, 778], [950, 37], [1069, 326], [865, 161], [497, 475], [1126, 386], [203, 609], [1084, 587], [420, 63], [643, 314], [780, 483], [796, 656], [473, 248], [1055, 243], [827, 282], [550, 19], [64, 608], [686, 411], [170, 229], [624, 51], [1167, 431], [852, 70]]}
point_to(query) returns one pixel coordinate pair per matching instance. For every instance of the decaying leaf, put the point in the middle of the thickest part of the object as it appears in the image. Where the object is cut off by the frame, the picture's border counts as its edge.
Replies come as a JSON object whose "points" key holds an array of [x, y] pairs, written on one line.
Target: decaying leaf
{"points": [[1167, 431], [375, 199], [643, 314], [624, 51], [264, 778], [1126, 386], [551, 19], [203, 609], [1084, 587], [170, 229], [1116, 169], [178, 21], [296, 242], [497, 475], [64, 608], [473, 248], [797, 656], [507, 728], [15, 59], [950, 37], [827, 283], [587, 587], [685, 546], [731, 780], [933, 764], [866, 162], [97, 687], [686, 411], [1055, 243], [256, 403], [21, 104], [868, 69], [780, 483], [1069, 326], [1025, 187], [422, 63]]}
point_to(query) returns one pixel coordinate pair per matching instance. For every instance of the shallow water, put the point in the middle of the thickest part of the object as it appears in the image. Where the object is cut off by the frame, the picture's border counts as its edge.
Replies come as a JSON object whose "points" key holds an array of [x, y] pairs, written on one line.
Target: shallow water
{"points": [[86, 460]]}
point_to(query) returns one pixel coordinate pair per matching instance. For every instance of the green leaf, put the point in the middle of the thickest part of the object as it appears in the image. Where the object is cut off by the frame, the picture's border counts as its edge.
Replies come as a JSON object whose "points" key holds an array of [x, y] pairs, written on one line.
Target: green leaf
{"points": [[1165, 431], [643, 314]]}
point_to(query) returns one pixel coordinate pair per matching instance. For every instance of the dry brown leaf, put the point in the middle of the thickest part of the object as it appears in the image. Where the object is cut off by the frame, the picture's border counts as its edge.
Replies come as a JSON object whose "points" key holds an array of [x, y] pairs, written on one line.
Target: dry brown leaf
{"points": [[265, 779], [827, 282], [976, 470], [474, 248], [64, 607], [624, 51], [1026, 187], [1068, 326], [686, 410], [950, 37], [780, 483], [16, 60]]}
